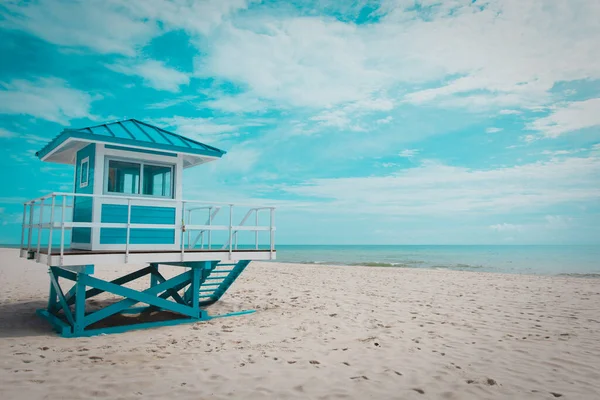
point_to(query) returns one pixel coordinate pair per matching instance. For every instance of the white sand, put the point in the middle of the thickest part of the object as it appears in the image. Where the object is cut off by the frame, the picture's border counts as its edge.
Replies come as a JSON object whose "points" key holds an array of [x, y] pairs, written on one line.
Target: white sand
{"points": [[322, 332]]}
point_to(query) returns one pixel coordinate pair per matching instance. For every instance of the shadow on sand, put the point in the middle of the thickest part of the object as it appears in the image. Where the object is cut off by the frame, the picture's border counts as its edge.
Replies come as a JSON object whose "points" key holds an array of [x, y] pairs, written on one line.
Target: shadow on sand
{"points": [[20, 319]]}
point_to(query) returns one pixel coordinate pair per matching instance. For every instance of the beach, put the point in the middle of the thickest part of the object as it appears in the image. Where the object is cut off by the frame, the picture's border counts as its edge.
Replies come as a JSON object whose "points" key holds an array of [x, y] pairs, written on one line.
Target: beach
{"points": [[321, 332]]}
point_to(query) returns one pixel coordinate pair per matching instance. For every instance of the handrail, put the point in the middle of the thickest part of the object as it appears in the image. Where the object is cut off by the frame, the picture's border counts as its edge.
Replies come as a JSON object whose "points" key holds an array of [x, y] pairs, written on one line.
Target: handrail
{"points": [[141, 198], [240, 227], [200, 235], [36, 207]]}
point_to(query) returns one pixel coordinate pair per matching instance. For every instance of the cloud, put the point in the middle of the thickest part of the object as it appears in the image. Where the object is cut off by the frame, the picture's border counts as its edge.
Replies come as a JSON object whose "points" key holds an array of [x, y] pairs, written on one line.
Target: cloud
{"points": [[199, 128], [155, 74], [195, 17], [171, 102], [493, 130], [506, 227], [503, 54], [239, 159], [47, 98], [509, 112], [409, 153], [29, 138], [434, 188], [102, 26], [242, 103], [555, 153], [558, 221], [296, 61], [4, 133], [385, 120], [568, 118], [114, 26], [336, 119]]}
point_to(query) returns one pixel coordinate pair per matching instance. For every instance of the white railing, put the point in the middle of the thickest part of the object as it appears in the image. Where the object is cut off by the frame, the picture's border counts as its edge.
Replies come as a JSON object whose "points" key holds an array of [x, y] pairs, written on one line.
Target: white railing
{"points": [[50, 213]]}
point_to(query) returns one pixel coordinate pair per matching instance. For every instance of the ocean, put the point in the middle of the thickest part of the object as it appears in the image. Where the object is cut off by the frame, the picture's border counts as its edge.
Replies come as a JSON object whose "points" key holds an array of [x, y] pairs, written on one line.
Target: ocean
{"points": [[578, 261], [582, 261]]}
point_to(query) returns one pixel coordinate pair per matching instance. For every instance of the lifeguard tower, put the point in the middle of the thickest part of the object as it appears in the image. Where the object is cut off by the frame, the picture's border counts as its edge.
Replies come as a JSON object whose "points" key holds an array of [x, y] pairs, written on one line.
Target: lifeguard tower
{"points": [[127, 206]]}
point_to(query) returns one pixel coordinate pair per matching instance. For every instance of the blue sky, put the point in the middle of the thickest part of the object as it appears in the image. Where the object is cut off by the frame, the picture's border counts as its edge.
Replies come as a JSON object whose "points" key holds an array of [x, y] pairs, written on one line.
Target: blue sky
{"points": [[413, 122]]}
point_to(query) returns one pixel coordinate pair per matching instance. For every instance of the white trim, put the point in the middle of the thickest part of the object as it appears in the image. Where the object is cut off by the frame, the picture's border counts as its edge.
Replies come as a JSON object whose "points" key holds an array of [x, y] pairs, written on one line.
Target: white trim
{"points": [[87, 175], [204, 158], [141, 258], [81, 246], [141, 162]]}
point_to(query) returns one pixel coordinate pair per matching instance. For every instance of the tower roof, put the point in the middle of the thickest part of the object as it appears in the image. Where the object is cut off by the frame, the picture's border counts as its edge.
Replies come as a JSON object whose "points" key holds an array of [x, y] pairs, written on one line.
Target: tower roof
{"points": [[129, 133]]}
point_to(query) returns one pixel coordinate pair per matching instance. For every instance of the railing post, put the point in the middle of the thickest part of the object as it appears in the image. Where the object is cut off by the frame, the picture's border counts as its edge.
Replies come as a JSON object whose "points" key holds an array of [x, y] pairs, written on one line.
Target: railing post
{"points": [[189, 221], [256, 225], [230, 231], [128, 230], [272, 225], [62, 229], [182, 230], [210, 217], [51, 226], [30, 232], [23, 226], [39, 241]]}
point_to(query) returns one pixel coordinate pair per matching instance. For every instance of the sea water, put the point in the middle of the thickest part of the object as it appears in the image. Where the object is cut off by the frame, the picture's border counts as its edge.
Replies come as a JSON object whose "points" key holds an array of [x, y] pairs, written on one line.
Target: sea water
{"points": [[581, 260]]}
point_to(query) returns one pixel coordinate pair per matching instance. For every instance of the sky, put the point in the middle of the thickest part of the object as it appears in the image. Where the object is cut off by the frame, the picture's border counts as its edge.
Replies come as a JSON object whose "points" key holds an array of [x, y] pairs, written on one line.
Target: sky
{"points": [[366, 122]]}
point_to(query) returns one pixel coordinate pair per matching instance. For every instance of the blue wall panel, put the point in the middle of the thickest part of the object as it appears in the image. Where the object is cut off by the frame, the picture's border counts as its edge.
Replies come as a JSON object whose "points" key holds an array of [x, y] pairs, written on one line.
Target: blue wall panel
{"points": [[117, 213], [137, 236], [83, 206]]}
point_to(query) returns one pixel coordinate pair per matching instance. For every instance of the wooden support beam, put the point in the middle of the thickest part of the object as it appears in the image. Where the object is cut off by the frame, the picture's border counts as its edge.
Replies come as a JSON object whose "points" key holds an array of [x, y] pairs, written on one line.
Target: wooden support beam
{"points": [[160, 279], [61, 298], [119, 281], [132, 297]]}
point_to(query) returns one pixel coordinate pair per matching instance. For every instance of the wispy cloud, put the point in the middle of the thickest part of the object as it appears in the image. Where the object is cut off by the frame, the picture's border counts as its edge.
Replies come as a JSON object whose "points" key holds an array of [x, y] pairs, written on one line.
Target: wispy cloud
{"points": [[48, 98], [336, 119], [497, 59], [155, 74], [433, 188], [113, 26], [5, 133], [385, 120], [101, 26], [568, 118], [506, 227], [509, 112], [171, 102], [409, 153], [200, 128], [27, 137], [493, 130], [558, 221]]}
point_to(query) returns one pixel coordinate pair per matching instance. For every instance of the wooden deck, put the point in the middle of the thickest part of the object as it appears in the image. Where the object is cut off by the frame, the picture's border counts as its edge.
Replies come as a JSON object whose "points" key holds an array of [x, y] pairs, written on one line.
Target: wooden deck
{"points": [[56, 251], [76, 257]]}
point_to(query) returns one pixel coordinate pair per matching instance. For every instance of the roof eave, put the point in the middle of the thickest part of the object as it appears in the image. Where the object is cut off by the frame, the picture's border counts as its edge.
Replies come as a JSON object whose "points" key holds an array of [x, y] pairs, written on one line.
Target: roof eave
{"points": [[61, 139]]}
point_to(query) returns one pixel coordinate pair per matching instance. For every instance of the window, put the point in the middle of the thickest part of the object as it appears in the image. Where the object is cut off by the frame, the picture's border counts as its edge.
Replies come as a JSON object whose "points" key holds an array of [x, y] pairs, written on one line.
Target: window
{"points": [[143, 178], [123, 177], [157, 180], [84, 172]]}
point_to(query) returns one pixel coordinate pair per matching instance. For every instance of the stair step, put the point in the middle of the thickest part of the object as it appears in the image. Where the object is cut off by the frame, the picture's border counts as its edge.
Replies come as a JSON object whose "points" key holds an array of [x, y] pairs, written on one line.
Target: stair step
{"points": [[227, 270], [211, 284], [226, 265], [204, 297], [206, 290], [212, 278]]}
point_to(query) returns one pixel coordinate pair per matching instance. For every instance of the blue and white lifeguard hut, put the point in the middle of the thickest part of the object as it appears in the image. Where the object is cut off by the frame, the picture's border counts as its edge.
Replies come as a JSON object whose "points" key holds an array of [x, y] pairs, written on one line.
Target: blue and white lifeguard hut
{"points": [[127, 206]]}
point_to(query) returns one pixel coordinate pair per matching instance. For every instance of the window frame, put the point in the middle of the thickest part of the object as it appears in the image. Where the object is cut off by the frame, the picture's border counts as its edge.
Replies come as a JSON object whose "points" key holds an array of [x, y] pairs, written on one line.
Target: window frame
{"points": [[83, 184], [141, 163]]}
